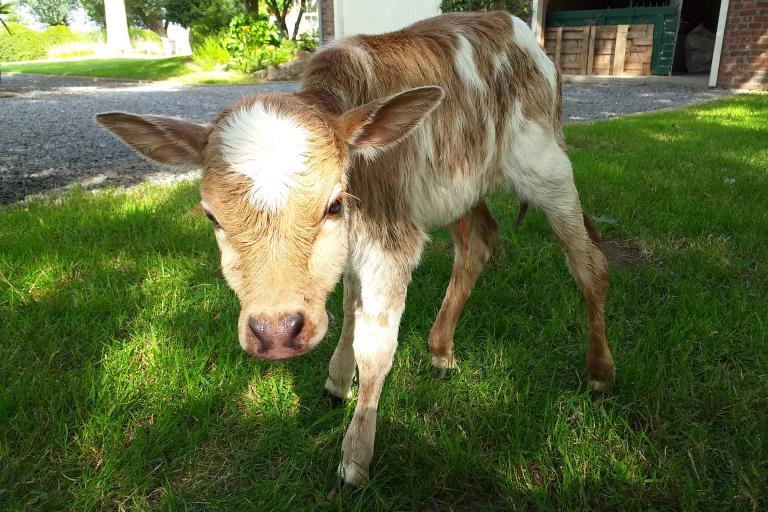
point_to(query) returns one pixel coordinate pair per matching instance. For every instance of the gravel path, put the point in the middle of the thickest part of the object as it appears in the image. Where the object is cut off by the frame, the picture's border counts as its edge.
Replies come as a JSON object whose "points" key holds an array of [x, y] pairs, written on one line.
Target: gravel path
{"points": [[48, 138]]}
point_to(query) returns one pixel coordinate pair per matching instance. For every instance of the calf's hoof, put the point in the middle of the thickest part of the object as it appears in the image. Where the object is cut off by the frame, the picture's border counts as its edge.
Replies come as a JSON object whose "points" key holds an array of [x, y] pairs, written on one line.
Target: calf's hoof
{"points": [[352, 475], [602, 383], [444, 373], [336, 402], [336, 393]]}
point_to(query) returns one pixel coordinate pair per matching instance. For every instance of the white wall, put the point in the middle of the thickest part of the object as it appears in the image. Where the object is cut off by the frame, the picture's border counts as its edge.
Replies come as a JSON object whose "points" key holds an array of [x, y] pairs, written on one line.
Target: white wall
{"points": [[377, 16]]}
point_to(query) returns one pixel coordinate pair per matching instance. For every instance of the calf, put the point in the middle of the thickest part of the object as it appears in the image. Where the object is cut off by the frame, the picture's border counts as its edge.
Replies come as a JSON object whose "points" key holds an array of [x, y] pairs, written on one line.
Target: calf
{"points": [[389, 136]]}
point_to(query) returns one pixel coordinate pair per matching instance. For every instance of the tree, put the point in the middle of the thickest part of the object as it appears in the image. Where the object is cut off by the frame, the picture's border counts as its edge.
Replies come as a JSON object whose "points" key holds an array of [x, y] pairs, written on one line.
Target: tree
{"points": [[51, 12], [207, 16], [280, 9], [117, 25], [142, 13], [5, 9]]}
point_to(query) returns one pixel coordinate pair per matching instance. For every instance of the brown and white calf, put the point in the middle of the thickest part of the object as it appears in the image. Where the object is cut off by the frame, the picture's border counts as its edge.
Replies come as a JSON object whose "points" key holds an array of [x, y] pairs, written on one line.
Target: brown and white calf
{"points": [[389, 136]]}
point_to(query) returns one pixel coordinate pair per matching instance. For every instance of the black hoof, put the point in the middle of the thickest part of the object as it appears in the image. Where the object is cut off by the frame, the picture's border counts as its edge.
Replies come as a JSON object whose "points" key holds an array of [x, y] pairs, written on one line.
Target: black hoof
{"points": [[342, 488], [444, 373], [335, 401]]}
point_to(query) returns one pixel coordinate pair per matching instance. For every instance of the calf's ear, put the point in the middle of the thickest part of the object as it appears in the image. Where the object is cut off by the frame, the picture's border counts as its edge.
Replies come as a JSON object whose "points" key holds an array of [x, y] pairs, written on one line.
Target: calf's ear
{"points": [[164, 140], [374, 127]]}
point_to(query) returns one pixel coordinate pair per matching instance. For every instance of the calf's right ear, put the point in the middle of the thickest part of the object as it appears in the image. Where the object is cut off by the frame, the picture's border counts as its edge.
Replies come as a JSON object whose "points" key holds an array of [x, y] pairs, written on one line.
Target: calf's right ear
{"points": [[164, 140]]}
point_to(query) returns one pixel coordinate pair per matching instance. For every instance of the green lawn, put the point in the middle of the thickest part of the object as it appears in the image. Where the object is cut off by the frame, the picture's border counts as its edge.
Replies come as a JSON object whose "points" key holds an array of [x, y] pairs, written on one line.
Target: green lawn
{"points": [[123, 386], [171, 68]]}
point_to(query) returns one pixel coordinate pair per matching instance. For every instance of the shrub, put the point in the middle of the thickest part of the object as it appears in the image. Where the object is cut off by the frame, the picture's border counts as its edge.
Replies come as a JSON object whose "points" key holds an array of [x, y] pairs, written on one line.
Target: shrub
{"points": [[209, 53], [24, 44], [145, 41], [59, 35], [517, 7], [248, 42], [27, 44], [139, 35], [309, 41]]}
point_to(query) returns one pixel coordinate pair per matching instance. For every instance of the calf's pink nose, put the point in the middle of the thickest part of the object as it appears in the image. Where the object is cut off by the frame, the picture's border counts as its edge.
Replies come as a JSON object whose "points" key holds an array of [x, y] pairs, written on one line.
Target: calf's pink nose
{"points": [[283, 334]]}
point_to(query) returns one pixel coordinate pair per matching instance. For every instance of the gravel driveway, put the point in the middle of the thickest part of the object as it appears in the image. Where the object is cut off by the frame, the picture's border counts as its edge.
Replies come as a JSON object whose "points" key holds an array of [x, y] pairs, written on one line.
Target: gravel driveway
{"points": [[49, 140]]}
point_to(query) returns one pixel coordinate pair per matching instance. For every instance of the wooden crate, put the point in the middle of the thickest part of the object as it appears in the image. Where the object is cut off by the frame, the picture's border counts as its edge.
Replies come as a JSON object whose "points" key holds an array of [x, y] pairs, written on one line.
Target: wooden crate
{"points": [[601, 50]]}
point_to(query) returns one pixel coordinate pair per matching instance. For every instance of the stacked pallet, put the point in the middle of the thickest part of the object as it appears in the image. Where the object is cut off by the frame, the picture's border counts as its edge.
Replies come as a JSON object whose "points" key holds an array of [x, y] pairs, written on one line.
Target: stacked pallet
{"points": [[601, 50]]}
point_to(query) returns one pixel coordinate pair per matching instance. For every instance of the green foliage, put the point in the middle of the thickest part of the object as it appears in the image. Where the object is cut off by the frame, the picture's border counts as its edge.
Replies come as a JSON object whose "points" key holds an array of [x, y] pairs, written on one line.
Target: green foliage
{"points": [[140, 13], [308, 41], [210, 53], [517, 7], [26, 44], [6, 10], [253, 42], [171, 68], [139, 35], [51, 12], [21, 44], [204, 17]]}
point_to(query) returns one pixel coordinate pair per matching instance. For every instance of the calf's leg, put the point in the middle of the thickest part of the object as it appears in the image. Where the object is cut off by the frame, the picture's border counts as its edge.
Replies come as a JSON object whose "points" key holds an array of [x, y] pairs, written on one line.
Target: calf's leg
{"points": [[547, 182], [481, 232], [384, 276], [341, 370]]}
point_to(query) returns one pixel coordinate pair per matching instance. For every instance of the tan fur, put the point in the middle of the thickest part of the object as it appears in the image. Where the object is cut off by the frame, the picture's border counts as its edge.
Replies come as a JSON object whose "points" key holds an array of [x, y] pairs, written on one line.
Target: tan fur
{"points": [[467, 266], [410, 129]]}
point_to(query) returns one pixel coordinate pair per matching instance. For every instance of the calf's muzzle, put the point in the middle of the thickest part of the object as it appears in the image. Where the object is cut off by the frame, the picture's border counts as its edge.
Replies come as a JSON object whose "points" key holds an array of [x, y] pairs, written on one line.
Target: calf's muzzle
{"points": [[276, 340]]}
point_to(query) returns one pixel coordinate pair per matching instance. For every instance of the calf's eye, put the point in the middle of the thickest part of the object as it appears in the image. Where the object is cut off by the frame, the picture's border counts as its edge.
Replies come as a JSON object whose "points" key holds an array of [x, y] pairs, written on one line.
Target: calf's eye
{"points": [[335, 208], [212, 219]]}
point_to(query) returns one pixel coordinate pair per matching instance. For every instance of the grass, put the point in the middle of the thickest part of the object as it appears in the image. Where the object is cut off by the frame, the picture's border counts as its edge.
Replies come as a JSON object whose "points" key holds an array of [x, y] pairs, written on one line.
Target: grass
{"points": [[151, 69], [123, 386]]}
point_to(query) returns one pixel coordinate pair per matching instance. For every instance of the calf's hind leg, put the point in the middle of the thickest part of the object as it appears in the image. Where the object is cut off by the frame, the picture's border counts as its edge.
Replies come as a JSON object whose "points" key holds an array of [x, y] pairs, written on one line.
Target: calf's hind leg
{"points": [[481, 232], [548, 183]]}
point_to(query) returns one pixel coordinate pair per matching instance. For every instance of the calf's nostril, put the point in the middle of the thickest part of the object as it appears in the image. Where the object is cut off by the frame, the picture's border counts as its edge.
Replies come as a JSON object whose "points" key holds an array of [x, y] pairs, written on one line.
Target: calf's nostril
{"points": [[261, 330], [293, 325]]}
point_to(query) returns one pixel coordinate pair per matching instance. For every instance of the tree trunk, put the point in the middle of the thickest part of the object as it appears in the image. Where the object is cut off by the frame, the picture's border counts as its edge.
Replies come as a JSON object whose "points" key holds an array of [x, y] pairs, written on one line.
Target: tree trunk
{"points": [[156, 25], [280, 14], [252, 6], [117, 25], [281, 23], [302, 8]]}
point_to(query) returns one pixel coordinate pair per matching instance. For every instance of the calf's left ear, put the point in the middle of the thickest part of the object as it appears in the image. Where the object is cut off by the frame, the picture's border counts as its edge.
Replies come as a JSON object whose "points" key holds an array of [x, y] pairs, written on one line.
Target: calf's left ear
{"points": [[161, 139], [374, 127]]}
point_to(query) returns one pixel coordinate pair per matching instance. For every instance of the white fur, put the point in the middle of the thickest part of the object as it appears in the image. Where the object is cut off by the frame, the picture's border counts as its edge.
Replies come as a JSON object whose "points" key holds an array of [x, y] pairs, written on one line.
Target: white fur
{"points": [[527, 42], [267, 148], [466, 66]]}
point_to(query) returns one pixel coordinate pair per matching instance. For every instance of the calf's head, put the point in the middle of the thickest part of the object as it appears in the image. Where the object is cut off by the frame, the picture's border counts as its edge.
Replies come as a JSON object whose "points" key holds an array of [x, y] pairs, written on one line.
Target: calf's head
{"points": [[274, 186]]}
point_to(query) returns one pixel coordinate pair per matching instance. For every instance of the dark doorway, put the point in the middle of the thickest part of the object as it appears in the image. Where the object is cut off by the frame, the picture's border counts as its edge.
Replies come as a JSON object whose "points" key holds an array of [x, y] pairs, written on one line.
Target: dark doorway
{"points": [[698, 26]]}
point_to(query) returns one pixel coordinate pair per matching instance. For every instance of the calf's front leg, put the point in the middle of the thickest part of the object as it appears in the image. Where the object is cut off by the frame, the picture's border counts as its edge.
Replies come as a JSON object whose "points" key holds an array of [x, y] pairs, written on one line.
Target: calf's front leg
{"points": [[383, 286]]}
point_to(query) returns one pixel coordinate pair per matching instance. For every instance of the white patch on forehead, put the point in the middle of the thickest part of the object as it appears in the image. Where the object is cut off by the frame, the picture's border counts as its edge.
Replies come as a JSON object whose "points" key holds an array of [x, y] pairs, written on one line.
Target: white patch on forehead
{"points": [[466, 66], [267, 148], [526, 41]]}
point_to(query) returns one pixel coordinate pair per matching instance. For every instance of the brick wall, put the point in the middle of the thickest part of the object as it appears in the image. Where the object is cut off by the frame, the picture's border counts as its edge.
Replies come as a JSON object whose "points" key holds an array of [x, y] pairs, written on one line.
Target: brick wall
{"points": [[326, 13], [744, 60]]}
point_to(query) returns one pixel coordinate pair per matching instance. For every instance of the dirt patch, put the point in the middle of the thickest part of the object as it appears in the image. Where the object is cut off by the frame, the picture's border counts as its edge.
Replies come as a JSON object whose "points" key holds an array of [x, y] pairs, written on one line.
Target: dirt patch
{"points": [[625, 255]]}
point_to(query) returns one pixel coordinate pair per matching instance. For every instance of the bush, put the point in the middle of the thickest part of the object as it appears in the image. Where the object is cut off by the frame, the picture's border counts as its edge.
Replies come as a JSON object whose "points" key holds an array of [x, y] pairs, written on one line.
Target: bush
{"points": [[519, 8], [139, 35], [309, 41], [59, 35], [24, 44], [253, 42], [145, 41], [210, 53], [28, 44]]}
